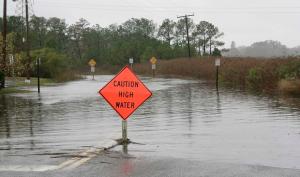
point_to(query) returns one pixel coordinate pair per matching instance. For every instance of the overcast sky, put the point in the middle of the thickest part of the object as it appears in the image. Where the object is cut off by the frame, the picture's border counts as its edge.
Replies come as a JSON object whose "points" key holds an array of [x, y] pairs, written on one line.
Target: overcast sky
{"points": [[242, 21]]}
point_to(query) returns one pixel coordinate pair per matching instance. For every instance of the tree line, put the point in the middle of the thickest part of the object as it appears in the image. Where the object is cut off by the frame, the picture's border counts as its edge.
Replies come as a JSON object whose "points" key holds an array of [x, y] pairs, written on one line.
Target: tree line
{"points": [[63, 45], [264, 49]]}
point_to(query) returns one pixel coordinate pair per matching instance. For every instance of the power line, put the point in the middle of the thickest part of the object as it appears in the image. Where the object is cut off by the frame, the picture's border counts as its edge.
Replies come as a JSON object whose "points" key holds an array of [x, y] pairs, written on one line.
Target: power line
{"points": [[31, 10], [153, 7], [176, 9], [149, 5], [187, 31]]}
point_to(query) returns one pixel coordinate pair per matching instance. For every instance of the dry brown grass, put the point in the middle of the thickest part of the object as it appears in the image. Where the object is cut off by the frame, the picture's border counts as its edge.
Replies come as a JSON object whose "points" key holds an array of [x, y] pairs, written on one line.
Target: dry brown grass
{"points": [[237, 71], [257, 73], [68, 75], [289, 86], [182, 67]]}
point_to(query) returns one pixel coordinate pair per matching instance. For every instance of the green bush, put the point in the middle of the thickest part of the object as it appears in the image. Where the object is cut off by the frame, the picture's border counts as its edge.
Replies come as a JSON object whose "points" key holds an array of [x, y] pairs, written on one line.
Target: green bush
{"points": [[254, 78], [53, 64], [216, 52], [290, 71]]}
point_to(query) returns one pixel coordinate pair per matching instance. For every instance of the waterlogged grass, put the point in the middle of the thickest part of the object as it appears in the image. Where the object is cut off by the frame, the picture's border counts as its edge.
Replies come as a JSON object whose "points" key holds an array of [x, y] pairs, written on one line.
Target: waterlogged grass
{"points": [[16, 85], [20, 81], [291, 87], [11, 90]]}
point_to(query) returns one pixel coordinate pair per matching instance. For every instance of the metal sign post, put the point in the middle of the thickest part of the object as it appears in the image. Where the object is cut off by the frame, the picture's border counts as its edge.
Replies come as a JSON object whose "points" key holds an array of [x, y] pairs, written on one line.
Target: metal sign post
{"points": [[217, 64], [124, 131], [124, 122], [125, 93], [153, 70], [93, 69]]}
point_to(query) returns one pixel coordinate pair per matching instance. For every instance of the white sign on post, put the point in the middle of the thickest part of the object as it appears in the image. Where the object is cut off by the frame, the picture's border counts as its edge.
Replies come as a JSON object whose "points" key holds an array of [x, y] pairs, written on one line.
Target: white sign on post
{"points": [[153, 66], [218, 62], [131, 60], [93, 68]]}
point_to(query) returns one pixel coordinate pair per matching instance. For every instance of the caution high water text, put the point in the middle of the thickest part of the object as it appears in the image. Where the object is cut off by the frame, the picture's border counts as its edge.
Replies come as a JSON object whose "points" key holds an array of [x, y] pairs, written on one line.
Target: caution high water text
{"points": [[125, 94]]}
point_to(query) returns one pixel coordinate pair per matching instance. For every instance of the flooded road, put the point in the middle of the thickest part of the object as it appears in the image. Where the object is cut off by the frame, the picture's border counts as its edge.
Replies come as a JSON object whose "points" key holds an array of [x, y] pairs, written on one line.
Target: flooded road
{"points": [[185, 119]]}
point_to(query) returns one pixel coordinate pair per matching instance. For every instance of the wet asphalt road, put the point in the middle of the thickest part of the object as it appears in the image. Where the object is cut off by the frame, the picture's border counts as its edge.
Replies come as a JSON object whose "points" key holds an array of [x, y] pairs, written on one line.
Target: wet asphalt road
{"points": [[118, 164]]}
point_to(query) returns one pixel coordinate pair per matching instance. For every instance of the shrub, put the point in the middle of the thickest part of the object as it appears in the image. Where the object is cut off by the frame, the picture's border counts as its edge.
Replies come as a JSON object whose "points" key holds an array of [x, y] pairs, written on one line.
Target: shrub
{"points": [[216, 52], [290, 71], [53, 64], [255, 78]]}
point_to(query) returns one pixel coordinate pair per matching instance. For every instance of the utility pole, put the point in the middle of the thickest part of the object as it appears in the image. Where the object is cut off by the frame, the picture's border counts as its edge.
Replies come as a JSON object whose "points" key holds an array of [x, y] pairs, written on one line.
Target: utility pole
{"points": [[187, 31], [27, 41], [3, 68], [38, 62]]}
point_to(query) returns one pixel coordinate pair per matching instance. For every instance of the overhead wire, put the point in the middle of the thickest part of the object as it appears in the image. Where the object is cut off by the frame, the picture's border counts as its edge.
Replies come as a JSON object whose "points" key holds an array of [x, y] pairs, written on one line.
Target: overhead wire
{"points": [[238, 11], [31, 9], [176, 9]]}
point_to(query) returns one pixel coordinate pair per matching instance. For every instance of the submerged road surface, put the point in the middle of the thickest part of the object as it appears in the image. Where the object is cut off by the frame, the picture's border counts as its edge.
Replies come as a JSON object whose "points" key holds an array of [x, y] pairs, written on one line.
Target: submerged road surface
{"points": [[187, 128]]}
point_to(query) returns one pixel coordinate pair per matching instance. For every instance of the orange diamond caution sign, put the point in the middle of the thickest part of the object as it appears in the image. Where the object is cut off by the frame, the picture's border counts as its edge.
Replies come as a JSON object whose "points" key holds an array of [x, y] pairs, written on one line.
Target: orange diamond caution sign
{"points": [[125, 92]]}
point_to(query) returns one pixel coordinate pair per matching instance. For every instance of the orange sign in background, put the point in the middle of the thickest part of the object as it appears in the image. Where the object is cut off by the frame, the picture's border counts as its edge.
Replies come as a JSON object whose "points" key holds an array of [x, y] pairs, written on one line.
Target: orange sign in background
{"points": [[125, 93]]}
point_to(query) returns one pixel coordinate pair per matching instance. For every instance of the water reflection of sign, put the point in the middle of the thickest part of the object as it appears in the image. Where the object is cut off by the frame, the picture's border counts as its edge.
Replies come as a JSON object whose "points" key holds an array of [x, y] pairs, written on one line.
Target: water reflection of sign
{"points": [[92, 62], [125, 93]]}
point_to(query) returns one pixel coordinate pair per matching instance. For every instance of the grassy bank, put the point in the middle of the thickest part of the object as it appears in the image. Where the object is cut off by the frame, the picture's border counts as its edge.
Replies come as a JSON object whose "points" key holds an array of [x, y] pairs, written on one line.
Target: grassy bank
{"points": [[267, 75], [20, 81]]}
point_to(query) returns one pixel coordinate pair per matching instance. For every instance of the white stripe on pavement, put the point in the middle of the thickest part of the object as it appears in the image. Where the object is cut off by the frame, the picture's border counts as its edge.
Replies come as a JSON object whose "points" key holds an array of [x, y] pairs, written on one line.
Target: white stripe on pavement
{"points": [[75, 162]]}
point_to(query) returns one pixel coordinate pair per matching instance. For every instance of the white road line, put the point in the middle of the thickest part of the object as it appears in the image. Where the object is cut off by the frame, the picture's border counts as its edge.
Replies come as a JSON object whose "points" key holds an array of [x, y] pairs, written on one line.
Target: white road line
{"points": [[91, 153], [75, 162], [32, 168]]}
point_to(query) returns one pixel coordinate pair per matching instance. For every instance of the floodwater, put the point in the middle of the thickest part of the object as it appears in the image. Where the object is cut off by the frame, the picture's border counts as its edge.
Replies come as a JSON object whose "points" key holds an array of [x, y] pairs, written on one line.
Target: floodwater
{"points": [[184, 119]]}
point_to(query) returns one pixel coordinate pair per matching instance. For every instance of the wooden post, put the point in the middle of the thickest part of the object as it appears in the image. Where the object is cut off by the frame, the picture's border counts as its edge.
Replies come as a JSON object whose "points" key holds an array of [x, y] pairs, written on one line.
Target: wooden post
{"points": [[217, 64], [217, 78]]}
